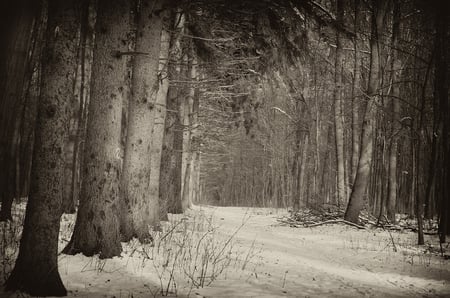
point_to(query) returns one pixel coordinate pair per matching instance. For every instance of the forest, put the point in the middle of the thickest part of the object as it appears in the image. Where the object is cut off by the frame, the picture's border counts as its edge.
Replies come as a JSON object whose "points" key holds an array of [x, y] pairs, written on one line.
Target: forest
{"points": [[225, 148]]}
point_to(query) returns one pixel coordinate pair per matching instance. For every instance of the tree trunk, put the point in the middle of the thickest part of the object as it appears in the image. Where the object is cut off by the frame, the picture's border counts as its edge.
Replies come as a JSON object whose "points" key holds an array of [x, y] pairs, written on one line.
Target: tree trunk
{"points": [[302, 174], [441, 83], [85, 62], [137, 161], [170, 177], [188, 133], [15, 33], [296, 169], [97, 224], [36, 269], [338, 113], [356, 200], [160, 117], [395, 119], [356, 97], [30, 101]]}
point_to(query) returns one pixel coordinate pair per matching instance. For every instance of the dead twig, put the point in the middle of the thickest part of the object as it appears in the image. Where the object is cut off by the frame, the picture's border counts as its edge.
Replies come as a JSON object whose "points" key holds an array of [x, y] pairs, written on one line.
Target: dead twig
{"points": [[336, 221], [390, 234]]}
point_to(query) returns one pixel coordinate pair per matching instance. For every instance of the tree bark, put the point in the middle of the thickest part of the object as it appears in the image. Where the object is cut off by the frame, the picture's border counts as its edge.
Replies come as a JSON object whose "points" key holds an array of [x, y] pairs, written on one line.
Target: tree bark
{"points": [[97, 224], [36, 269], [188, 115], [137, 161], [441, 84], [170, 177], [84, 64], [338, 113], [160, 117], [356, 200], [395, 119], [15, 33], [356, 96]]}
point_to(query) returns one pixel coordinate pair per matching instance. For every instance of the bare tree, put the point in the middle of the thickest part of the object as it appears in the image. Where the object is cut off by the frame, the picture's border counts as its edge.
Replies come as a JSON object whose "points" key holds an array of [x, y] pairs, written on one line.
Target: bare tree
{"points": [[356, 200], [395, 120], [36, 269], [143, 209], [97, 224], [15, 33], [171, 159], [160, 117], [338, 106]]}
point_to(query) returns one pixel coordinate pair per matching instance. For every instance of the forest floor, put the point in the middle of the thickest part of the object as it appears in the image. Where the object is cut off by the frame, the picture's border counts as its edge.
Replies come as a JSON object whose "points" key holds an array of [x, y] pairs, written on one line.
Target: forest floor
{"points": [[246, 252]]}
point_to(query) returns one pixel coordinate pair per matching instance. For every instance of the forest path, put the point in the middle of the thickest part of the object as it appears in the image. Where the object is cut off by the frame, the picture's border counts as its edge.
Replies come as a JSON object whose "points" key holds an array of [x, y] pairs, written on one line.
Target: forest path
{"points": [[337, 261]]}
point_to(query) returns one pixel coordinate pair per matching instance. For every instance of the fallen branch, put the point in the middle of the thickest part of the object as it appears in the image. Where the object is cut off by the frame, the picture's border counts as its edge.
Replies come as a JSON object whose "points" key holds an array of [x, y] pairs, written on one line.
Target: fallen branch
{"points": [[390, 234], [336, 221]]}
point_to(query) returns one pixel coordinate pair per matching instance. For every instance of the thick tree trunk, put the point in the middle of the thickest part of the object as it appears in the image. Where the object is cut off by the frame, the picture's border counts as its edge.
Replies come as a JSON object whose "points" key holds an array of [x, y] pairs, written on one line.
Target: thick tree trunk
{"points": [[356, 200], [158, 126], [137, 161], [83, 78], [171, 159], [338, 113], [36, 270], [97, 224], [16, 27]]}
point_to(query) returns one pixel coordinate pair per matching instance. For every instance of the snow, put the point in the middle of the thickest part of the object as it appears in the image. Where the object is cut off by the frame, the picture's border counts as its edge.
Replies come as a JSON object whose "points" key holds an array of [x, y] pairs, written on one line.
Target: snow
{"points": [[245, 252]]}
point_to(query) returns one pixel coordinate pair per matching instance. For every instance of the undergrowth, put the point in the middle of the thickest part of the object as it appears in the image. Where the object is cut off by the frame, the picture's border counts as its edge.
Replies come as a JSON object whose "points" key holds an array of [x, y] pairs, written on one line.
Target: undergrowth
{"points": [[187, 252], [190, 251], [10, 232]]}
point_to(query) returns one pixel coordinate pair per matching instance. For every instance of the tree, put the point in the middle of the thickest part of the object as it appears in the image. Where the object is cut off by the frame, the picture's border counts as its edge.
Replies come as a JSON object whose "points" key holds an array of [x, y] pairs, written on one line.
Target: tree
{"points": [[143, 210], [338, 113], [171, 159], [188, 124], [356, 200], [36, 269], [160, 116], [15, 33], [441, 85], [356, 94], [84, 56], [395, 125], [97, 225]]}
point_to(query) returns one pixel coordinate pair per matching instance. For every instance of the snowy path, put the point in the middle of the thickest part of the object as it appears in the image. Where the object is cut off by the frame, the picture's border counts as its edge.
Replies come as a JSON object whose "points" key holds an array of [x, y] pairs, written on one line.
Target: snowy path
{"points": [[336, 261], [266, 260]]}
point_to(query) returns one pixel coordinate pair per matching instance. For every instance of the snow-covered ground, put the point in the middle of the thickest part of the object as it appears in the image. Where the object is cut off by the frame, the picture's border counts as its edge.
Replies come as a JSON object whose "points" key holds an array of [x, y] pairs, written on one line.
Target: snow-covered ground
{"points": [[245, 252]]}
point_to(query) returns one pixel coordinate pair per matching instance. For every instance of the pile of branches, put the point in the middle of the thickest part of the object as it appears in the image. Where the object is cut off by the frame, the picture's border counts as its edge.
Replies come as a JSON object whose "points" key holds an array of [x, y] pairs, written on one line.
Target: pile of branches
{"points": [[316, 217], [308, 218]]}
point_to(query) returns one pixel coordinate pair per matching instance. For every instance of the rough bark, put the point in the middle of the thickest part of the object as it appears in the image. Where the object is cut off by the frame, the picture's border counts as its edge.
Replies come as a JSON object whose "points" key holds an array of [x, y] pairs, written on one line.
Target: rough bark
{"points": [[188, 156], [170, 177], [15, 33], [356, 96], [338, 113], [395, 119], [36, 269], [142, 208], [160, 117], [97, 225], [356, 200]]}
